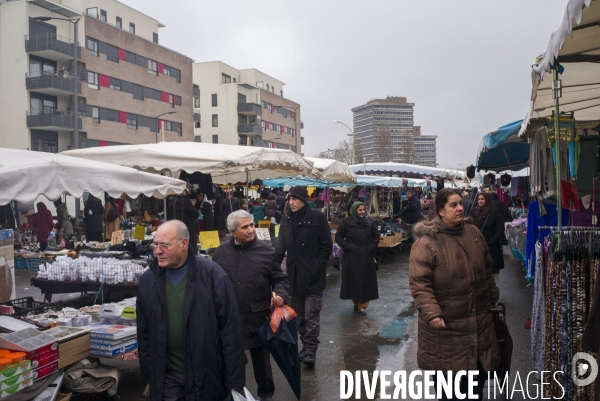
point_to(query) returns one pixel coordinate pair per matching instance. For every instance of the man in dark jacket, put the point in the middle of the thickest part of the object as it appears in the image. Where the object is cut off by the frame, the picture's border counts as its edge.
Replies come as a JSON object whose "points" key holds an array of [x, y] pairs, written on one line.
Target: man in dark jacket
{"points": [[190, 339], [184, 211], [251, 267], [413, 212], [306, 237], [230, 204], [93, 213]]}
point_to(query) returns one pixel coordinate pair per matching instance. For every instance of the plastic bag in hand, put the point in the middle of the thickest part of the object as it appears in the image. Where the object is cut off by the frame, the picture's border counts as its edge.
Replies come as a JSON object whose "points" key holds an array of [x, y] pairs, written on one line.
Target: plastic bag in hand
{"points": [[235, 396], [280, 312]]}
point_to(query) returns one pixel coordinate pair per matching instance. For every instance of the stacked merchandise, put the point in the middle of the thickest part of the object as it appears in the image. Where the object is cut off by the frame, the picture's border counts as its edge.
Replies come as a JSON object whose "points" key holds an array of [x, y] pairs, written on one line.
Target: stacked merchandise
{"points": [[15, 373], [38, 348], [112, 340]]}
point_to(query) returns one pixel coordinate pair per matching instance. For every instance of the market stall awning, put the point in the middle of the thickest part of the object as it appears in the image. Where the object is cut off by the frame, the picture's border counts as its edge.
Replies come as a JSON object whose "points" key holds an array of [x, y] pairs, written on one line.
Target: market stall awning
{"points": [[503, 149], [403, 168], [333, 170], [575, 45], [25, 175], [225, 163], [361, 180]]}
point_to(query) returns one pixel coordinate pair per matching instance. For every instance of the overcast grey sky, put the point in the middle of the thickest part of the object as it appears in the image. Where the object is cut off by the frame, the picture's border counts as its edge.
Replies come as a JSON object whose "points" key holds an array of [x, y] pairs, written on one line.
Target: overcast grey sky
{"points": [[465, 64]]}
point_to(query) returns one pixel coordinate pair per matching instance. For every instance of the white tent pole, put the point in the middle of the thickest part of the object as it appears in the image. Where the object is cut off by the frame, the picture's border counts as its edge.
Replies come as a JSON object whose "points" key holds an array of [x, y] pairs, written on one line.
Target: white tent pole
{"points": [[556, 94]]}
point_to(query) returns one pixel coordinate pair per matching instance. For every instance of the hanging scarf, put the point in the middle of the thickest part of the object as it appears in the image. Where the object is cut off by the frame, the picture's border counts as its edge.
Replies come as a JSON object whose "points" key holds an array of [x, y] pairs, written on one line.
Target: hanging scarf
{"points": [[482, 212], [354, 211]]}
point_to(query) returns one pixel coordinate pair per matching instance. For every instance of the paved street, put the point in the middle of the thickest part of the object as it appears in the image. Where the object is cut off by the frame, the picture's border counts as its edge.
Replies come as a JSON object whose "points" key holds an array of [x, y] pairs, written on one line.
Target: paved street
{"points": [[385, 339]]}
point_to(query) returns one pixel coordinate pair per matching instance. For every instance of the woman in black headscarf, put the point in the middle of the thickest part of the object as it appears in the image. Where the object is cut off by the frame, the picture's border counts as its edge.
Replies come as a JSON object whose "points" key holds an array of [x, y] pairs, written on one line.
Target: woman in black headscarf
{"points": [[491, 224], [358, 237]]}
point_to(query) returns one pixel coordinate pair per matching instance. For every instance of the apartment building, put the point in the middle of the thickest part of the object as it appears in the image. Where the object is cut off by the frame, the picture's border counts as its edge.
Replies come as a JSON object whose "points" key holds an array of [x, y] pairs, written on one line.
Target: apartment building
{"points": [[425, 148], [130, 86], [243, 107], [384, 130]]}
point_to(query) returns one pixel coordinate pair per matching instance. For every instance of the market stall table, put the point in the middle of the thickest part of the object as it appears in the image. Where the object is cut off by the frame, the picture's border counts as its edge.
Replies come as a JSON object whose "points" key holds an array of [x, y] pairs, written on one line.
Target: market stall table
{"points": [[50, 287]]}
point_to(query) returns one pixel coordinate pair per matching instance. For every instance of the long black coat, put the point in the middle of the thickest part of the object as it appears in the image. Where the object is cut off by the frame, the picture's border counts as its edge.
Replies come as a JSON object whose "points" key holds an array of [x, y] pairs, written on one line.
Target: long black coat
{"points": [[252, 271], [308, 248], [94, 221], [359, 241], [186, 212], [230, 206], [213, 338], [207, 215], [492, 228], [413, 213]]}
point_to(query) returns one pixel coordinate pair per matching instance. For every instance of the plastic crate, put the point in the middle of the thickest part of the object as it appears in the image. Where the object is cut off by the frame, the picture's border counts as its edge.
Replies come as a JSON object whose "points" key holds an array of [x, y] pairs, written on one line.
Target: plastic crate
{"points": [[27, 305], [32, 263]]}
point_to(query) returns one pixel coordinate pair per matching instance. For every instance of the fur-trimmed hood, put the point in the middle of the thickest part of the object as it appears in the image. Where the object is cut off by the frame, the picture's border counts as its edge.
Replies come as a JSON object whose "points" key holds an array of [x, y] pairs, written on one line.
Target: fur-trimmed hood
{"points": [[431, 228]]}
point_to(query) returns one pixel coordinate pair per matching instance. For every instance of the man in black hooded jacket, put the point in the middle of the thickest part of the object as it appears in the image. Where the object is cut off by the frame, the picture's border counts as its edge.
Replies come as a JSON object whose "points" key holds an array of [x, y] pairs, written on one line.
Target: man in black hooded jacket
{"points": [[305, 235]]}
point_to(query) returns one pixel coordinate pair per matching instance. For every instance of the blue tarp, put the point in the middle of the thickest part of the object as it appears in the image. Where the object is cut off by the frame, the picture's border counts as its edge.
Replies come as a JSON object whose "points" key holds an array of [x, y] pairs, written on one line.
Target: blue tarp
{"points": [[362, 180], [502, 149]]}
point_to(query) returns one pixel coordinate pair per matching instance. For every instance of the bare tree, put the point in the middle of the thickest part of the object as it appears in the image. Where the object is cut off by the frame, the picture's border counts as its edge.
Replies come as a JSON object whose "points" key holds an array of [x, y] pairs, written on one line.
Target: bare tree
{"points": [[383, 143], [342, 152]]}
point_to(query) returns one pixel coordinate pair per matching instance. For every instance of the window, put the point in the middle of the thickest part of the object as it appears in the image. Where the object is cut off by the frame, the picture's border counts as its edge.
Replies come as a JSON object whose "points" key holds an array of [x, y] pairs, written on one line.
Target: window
{"points": [[92, 12], [267, 87], [234, 80], [167, 125], [243, 140], [96, 115], [166, 70], [171, 101], [197, 125], [215, 138], [214, 99], [131, 123], [92, 46], [281, 93], [196, 102], [119, 23], [92, 80], [103, 15], [272, 89], [225, 79], [132, 28], [152, 67], [215, 120], [115, 84], [155, 37], [197, 138]]}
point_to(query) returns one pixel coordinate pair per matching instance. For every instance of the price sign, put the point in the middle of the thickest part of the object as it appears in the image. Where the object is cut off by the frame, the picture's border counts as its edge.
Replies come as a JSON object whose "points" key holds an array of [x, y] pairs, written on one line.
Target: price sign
{"points": [[263, 234], [116, 237]]}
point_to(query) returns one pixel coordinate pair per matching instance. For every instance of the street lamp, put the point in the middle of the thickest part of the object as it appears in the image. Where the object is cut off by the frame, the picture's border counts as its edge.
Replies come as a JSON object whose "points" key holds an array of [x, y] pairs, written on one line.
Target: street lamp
{"points": [[75, 22], [353, 140], [160, 128], [409, 155]]}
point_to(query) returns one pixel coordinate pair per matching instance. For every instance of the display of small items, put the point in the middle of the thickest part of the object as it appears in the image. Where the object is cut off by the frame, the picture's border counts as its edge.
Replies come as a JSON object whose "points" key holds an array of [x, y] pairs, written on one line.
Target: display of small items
{"points": [[108, 270]]}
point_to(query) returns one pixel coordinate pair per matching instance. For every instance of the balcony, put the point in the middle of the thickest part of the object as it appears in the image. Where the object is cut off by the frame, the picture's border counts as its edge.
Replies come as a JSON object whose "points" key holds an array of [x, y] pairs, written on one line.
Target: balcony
{"points": [[51, 46], [50, 84], [250, 129], [249, 109], [52, 120]]}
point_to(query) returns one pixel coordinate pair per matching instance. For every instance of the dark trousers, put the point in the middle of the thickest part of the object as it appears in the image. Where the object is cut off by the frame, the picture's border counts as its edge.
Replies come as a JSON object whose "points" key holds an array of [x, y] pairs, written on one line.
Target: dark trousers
{"points": [[261, 363], [308, 309], [174, 387], [94, 236], [464, 385]]}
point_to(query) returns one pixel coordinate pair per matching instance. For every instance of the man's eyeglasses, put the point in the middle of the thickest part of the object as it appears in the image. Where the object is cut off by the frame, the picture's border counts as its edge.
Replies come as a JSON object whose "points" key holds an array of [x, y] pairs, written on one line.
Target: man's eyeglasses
{"points": [[162, 245]]}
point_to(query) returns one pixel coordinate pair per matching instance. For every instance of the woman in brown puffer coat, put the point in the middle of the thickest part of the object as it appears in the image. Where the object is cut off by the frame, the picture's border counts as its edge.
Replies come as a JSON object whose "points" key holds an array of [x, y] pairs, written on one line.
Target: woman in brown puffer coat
{"points": [[450, 277]]}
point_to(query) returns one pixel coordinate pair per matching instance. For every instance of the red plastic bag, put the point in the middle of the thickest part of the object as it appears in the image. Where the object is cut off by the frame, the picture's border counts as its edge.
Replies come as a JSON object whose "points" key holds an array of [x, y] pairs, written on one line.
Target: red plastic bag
{"points": [[280, 312]]}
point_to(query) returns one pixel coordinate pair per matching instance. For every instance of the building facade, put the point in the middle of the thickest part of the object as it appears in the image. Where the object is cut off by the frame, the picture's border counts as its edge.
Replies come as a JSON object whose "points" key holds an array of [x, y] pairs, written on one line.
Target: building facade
{"points": [[425, 148], [127, 80], [243, 107], [383, 130]]}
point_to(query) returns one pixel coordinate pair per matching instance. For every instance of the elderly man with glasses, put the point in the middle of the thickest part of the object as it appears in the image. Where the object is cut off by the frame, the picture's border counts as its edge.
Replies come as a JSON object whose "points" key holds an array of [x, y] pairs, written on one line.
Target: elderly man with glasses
{"points": [[190, 339], [251, 267]]}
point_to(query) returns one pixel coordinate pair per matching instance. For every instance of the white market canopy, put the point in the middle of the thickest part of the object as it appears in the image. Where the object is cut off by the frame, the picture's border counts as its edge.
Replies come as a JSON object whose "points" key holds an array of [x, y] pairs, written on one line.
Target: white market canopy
{"points": [[333, 170], [25, 175], [576, 46], [225, 163], [403, 168]]}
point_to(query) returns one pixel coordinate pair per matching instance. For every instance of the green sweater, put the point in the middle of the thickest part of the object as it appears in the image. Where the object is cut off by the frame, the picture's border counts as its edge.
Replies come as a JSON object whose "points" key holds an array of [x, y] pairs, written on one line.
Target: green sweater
{"points": [[175, 330]]}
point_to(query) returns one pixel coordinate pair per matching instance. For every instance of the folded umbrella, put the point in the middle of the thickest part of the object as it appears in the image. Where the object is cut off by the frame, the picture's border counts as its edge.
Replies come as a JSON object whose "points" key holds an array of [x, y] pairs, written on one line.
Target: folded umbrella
{"points": [[282, 343]]}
